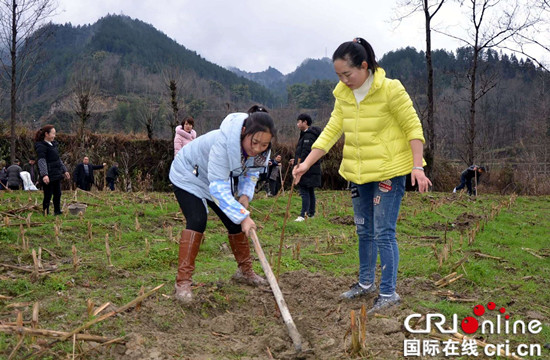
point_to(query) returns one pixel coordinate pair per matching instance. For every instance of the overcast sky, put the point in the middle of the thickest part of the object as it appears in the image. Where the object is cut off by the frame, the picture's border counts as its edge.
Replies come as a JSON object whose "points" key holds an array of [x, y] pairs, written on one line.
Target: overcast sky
{"points": [[255, 34]]}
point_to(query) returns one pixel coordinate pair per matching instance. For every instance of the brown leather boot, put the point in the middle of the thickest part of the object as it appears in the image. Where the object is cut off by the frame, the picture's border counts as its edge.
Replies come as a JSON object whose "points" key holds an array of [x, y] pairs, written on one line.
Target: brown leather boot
{"points": [[189, 248], [241, 250]]}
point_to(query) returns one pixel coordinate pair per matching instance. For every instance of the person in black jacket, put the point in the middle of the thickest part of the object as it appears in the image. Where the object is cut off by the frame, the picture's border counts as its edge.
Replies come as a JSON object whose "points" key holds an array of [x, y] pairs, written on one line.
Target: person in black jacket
{"points": [[312, 178], [112, 175], [467, 176], [51, 168], [83, 174], [14, 180]]}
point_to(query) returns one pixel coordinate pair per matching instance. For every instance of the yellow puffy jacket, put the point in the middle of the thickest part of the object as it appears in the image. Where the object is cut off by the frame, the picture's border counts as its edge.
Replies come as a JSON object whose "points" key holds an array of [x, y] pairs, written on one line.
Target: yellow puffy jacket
{"points": [[377, 132]]}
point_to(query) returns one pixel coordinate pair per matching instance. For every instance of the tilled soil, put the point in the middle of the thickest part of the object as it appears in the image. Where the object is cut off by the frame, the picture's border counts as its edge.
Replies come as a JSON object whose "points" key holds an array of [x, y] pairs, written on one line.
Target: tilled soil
{"points": [[243, 322]]}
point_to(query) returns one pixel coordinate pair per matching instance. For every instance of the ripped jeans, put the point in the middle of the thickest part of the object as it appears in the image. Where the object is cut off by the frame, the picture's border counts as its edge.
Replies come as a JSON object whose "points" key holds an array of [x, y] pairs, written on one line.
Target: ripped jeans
{"points": [[376, 208]]}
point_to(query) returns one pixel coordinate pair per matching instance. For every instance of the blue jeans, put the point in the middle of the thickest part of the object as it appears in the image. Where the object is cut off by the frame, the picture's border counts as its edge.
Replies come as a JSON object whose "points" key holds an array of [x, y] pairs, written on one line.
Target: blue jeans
{"points": [[465, 181], [308, 201], [376, 208]]}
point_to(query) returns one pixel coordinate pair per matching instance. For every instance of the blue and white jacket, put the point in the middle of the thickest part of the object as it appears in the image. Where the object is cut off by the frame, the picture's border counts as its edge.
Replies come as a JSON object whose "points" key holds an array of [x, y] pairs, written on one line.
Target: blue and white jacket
{"points": [[207, 165]]}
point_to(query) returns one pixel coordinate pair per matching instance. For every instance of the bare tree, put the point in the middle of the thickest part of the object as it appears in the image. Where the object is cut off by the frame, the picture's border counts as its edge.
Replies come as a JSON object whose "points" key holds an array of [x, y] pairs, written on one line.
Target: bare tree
{"points": [[173, 81], [494, 24], [430, 9], [21, 36], [84, 95], [148, 116], [536, 37]]}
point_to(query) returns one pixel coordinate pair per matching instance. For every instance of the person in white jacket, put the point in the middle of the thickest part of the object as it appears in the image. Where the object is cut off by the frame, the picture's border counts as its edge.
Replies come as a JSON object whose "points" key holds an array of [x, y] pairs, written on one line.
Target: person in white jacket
{"points": [[219, 171], [184, 134]]}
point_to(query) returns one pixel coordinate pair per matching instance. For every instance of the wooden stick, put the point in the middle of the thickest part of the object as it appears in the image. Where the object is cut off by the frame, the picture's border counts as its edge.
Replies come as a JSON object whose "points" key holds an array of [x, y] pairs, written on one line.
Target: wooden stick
{"points": [[487, 256], [100, 345], [532, 252], [284, 226], [14, 329], [101, 308], [355, 344], [442, 280], [285, 313], [111, 313]]}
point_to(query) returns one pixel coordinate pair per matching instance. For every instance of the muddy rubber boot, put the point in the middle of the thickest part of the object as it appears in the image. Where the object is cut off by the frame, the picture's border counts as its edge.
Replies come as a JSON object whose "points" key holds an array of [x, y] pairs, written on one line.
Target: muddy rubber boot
{"points": [[241, 250], [189, 248]]}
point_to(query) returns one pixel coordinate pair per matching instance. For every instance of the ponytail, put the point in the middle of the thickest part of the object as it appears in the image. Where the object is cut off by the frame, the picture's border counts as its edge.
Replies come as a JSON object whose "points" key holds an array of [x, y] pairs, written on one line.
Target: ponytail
{"points": [[355, 52], [39, 136]]}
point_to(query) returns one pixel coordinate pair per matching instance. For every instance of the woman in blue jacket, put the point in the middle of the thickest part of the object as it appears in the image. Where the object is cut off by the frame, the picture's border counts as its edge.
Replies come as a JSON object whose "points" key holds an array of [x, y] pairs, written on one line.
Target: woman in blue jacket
{"points": [[203, 174]]}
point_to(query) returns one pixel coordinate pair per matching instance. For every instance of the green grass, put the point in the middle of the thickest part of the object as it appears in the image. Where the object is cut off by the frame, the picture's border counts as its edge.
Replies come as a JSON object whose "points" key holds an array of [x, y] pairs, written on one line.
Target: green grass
{"points": [[519, 279]]}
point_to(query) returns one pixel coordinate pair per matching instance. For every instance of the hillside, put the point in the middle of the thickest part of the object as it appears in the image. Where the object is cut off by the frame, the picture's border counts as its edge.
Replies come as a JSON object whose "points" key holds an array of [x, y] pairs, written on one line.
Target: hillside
{"points": [[129, 61]]}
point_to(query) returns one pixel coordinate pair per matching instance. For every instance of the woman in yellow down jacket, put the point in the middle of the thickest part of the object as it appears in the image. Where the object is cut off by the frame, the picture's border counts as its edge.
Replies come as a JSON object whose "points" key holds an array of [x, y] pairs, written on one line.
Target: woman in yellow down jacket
{"points": [[383, 143]]}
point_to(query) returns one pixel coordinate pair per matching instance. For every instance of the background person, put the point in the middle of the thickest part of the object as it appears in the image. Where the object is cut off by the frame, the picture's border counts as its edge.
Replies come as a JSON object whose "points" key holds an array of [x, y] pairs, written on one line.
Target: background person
{"points": [[51, 167], [466, 178], [383, 143], [14, 179], [112, 175], [83, 174], [312, 177], [184, 134], [274, 175], [3, 175], [32, 169], [203, 174]]}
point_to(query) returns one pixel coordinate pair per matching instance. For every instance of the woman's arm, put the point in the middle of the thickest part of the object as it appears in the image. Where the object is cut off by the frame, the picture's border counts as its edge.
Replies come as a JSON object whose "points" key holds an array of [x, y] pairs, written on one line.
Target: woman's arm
{"points": [[417, 175], [304, 166]]}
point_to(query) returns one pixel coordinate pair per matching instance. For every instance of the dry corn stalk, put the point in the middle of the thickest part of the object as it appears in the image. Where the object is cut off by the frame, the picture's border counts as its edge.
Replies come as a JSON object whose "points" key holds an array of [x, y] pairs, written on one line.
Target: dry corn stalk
{"points": [[56, 229], [75, 258], [140, 293], [35, 261], [355, 343], [22, 236], [40, 258], [363, 325], [90, 307], [108, 249]]}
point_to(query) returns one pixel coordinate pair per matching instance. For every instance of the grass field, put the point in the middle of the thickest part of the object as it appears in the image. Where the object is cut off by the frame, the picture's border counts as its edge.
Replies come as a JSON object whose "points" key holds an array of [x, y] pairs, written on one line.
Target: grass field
{"points": [[499, 245]]}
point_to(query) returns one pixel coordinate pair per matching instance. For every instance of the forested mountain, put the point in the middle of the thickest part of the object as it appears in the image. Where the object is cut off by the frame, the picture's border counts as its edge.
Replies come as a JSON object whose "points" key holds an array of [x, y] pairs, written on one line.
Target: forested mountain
{"points": [[127, 62]]}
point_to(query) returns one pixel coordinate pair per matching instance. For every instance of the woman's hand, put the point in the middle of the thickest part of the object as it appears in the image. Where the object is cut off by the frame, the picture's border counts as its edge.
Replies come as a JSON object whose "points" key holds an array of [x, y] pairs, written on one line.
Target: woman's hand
{"points": [[67, 175], [248, 224], [46, 180], [298, 171], [418, 176], [244, 201]]}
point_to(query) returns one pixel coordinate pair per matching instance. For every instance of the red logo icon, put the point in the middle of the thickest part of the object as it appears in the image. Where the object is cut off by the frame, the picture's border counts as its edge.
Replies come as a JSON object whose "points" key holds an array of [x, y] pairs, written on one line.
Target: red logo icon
{"points": [[470, 324]]}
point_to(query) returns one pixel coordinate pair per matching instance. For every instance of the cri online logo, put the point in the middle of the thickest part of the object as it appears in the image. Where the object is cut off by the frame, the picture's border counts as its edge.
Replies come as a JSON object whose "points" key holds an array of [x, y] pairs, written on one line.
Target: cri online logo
{"points": [[470, 324]]}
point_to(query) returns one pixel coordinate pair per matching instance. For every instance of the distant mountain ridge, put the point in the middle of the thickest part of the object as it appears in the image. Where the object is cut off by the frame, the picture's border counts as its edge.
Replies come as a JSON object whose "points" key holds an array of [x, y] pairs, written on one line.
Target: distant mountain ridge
{"points": [[306, 73]]}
